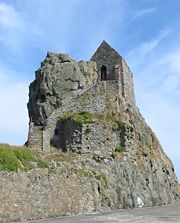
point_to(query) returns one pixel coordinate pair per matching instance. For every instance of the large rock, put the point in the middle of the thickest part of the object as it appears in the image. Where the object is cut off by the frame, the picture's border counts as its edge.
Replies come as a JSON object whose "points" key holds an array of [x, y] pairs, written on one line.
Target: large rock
{"points": [[80, 107], [59, 78]]}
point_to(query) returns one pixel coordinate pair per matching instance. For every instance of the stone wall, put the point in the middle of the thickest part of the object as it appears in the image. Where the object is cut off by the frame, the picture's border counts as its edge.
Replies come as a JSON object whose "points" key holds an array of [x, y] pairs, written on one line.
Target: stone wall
{"points": [[102, 98], [117, 69], [99, 139], [37, 194], [94, 138], [127, 82], [35, 136], [100, 136], [67, 136]]}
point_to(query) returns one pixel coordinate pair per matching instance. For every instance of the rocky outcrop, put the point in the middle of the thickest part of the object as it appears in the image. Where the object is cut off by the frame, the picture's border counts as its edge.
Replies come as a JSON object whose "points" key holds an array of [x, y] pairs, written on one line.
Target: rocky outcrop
{"points": [[87, 183], [59, 78], [88, 108]]}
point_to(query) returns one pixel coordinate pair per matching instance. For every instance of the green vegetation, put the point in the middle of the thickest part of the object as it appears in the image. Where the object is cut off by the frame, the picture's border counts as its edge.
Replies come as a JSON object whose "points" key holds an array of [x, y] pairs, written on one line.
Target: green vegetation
{"points": [[87, 130], [86, 74], [119, 149], [13, 158], [114, 155], [66, 117], [85, 117], [80, 118], [103, 179]]}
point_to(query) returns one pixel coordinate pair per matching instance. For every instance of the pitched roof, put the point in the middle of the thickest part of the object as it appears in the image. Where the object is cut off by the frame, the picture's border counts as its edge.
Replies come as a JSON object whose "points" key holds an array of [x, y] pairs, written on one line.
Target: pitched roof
{"points": [[105, 48]]}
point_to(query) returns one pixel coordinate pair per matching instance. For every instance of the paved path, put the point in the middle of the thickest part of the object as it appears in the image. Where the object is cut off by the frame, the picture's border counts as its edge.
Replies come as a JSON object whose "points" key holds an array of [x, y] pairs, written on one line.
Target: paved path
{"points": [[168, 213]]}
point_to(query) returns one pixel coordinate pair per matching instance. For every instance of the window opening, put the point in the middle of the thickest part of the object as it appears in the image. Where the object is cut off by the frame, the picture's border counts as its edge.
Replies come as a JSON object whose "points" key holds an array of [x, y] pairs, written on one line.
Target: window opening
{"points": [[103, 73]]}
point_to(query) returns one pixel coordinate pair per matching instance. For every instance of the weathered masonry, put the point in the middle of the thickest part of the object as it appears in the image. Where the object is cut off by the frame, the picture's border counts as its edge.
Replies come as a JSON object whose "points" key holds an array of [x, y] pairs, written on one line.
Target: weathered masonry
{"points": [[103, 85]]}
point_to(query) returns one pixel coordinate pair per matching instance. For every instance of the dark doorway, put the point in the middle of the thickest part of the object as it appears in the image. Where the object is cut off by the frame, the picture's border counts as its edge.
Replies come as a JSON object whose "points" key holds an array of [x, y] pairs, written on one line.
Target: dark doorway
{"points": [[103, 73]]}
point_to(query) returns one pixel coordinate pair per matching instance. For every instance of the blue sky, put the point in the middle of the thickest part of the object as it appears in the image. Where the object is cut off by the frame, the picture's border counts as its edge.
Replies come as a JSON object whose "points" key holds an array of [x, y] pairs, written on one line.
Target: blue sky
{"points": [[145, 32]]}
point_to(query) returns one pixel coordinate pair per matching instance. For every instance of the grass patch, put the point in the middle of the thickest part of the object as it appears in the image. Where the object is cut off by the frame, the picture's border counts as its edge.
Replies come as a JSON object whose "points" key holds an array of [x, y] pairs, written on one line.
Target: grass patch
{"points": [[13, 158], [85, 117], [119, 149], [80, 118], [66, 117]]}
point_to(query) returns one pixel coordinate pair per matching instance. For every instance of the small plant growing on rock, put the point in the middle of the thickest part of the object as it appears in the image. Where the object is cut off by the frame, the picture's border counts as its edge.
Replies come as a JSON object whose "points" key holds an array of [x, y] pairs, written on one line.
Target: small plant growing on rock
{"points": [[87, 130], [65, 117], [114, 121], [114, 155], [86, 74], [83, 118], [105, 180], [80, 118], [119, 149]]}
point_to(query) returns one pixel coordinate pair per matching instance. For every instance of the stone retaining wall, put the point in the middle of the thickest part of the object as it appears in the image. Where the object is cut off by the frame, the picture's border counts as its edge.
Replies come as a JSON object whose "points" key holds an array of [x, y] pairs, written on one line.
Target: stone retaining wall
{"points": [[36, 195]]}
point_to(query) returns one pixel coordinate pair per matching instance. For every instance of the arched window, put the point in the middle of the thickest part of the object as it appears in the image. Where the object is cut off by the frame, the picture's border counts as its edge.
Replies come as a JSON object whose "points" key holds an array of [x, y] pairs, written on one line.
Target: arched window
{"points": [[103, 73]]}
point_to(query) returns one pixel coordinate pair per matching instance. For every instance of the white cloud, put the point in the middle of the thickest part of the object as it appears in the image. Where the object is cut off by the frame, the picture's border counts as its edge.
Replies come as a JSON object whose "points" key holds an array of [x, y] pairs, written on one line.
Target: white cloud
{"points": [[16, 30], [141, 13], [157, 88], [168, 67], [13, 112], [144, 12], [140, 53], [173, 60], [172, 83], [10, 25], [8, 16]]}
